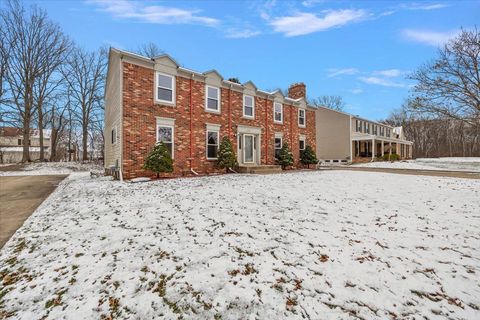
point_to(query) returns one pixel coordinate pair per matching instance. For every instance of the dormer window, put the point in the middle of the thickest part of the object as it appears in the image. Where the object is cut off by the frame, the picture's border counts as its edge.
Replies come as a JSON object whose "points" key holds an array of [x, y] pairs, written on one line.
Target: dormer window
{"points": [[277, 112], [301, 118], [165, 88], [212, 99], [248, 107]]}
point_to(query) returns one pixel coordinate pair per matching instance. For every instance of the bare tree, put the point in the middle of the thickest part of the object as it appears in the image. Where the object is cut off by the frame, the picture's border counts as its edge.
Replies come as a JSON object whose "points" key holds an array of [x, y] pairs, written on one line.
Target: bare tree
{"points": [[331, 102], [150, 50], [56, 118], [34, 41], [47, 83], [85, 75], [449, 87], [5, 45]]}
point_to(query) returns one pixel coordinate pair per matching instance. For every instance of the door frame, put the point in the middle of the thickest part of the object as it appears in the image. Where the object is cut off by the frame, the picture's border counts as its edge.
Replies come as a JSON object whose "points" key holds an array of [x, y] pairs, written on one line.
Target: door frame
{"points": [[244, 149]]}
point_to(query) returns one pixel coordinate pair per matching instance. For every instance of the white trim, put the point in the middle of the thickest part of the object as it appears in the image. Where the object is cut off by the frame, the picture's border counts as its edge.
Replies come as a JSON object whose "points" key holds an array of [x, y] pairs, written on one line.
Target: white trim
{"points": [[253, 107], [166, 123], [213, 126], [248, 129], [304, 118], [219, 105], [217, 131], [157, 100], [281, 112]]}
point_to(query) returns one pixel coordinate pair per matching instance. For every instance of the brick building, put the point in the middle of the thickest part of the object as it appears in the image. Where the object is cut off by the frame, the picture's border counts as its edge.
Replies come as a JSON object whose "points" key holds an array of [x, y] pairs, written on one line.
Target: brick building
{"points": [[150, 100]]}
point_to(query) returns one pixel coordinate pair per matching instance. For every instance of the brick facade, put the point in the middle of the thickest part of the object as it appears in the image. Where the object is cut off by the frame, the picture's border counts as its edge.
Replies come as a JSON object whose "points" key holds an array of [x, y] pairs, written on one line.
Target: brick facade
{"points": [[140, 113]]}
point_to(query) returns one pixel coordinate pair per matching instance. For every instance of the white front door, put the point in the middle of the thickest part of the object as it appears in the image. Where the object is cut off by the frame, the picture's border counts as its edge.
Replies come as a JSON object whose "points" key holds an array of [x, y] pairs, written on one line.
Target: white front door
{"points": [[248, 148]]}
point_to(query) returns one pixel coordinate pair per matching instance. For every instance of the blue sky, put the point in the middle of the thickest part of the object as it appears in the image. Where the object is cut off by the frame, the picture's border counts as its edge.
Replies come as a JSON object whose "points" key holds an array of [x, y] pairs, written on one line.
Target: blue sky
{"points": [[360, 50]]}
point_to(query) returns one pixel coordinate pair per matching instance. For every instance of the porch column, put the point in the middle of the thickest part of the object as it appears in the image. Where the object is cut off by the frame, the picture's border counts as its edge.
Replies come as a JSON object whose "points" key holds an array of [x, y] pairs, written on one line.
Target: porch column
{"points": [[373, 149], [389, 150], [383, 149]]}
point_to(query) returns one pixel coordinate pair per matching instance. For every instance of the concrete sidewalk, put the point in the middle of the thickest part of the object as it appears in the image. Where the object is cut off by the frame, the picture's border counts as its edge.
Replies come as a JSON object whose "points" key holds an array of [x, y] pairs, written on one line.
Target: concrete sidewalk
{"points": [[418, 172], [19, 197]]}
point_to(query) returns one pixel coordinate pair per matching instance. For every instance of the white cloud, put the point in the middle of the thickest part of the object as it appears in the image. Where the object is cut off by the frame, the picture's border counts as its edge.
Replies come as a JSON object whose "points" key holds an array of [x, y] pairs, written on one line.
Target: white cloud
{"points": [[304, 23], [428, 7], [356, 91], [311, 3], [127, 9], [390, 73], [234, 33], [431, 38], [381, 82], [338, 72]]}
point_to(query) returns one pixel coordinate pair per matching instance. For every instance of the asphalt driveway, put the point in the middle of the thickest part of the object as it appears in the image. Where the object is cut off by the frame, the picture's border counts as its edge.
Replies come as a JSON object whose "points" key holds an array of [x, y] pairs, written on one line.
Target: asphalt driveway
{"points": [[19, 197]]}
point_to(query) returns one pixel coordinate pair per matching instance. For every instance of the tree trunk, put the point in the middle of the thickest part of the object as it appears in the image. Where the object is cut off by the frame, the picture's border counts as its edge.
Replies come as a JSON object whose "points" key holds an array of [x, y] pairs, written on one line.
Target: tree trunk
{"points": [[53, 145], [26, 147], [40, 130], [85, 143]]}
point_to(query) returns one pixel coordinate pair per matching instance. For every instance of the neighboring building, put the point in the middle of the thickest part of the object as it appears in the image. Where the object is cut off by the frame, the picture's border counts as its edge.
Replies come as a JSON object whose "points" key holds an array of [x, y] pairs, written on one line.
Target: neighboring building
{"points": [[11, 144], [151, 100], [342, 137]]}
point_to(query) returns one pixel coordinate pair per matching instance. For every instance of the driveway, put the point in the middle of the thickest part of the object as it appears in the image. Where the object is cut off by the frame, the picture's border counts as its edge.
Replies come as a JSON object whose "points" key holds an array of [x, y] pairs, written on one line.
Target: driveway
{"points": [[418, 172], [19, 197]]}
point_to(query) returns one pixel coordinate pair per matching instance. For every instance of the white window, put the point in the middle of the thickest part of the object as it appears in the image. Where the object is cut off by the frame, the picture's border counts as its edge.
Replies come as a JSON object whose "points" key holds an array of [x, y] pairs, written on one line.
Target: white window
{"points": [[212, 99], [278, 112], [248, 107], [114, 135], [278, 146], [165, 88], [301, 117], [212, 143], [165, 135], [301, 143]]}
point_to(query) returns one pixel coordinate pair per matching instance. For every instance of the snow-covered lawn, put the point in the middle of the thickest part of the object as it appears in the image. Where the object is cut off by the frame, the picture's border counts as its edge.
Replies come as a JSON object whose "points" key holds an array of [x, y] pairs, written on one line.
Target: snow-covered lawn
{"points": [[451, 164], [305, 245], [47, 168]]}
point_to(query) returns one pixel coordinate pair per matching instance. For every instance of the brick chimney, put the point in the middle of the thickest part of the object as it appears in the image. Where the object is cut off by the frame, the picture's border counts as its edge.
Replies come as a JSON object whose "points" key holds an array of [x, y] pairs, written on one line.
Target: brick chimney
{"points": [[297, 90]]}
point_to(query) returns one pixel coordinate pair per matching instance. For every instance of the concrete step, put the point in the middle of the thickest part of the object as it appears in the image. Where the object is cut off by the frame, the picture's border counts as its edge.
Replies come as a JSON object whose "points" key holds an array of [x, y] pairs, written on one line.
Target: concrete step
{"points": [[260, 169]]}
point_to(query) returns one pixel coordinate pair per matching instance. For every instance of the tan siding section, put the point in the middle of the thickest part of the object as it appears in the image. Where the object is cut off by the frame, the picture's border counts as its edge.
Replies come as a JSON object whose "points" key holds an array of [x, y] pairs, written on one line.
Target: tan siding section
{"points": [[113, 111], [333, 134]]}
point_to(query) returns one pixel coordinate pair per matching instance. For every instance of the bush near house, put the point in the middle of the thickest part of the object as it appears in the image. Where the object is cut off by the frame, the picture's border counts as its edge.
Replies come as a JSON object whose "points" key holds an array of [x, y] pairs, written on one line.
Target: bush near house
{"points": [[226, 158], [308, 156], [285, 156], [393, 157], [159, 160]]}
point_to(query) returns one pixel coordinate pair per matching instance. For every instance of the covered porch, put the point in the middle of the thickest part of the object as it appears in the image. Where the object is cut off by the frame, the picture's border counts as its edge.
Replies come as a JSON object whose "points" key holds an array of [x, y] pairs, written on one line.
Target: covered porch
{"points": [[371, 148]]}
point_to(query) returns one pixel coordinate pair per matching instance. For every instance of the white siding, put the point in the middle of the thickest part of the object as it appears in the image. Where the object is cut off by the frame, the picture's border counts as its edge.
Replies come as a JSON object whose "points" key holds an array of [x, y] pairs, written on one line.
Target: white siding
{"points": [[113, 110]]}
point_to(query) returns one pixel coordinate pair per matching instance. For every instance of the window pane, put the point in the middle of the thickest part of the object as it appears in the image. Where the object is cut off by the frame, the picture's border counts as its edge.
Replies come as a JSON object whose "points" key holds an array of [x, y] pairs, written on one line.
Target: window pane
{"points": [[302, 144], [212, 93], [165, 134], [278, 143], [248, 111], [277, 153], [278, 116], [212, 151], [165, 81], [212, 138], [165, 94], [169, 147], [212, 104], [249, 101]]}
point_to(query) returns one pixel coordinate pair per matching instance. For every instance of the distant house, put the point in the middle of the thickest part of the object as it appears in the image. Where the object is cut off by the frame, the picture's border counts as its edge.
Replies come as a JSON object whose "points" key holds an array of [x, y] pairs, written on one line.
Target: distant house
{"points": [[156, 100], [342, 137], [11, 144]]}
